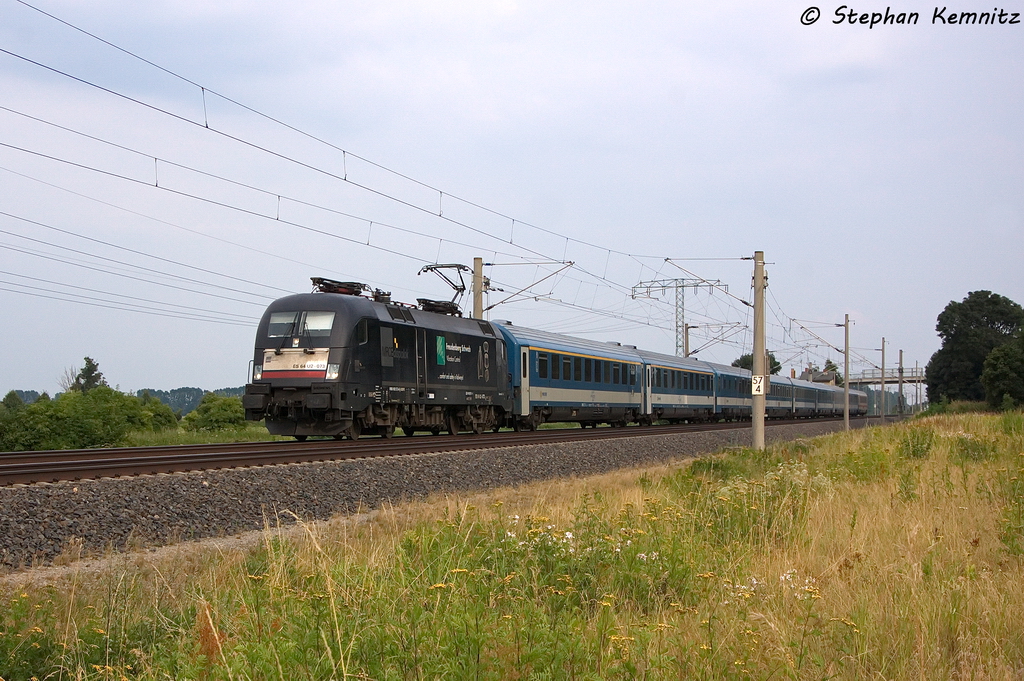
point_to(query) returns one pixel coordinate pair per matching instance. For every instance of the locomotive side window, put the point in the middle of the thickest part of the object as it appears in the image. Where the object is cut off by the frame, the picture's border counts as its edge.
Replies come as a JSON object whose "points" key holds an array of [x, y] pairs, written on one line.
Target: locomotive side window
{"points": [[542, 364], [362, 332], [282, 324]]}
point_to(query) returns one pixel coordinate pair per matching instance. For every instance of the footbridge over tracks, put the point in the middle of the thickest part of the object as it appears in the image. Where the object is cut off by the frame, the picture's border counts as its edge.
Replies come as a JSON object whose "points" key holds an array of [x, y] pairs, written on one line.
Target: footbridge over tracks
{"points": [[892, 376]]}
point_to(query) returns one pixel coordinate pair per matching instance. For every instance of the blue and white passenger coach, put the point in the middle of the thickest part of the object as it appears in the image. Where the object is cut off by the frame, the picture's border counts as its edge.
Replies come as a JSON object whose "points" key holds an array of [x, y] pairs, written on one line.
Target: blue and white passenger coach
{"points": [[561, 378]]}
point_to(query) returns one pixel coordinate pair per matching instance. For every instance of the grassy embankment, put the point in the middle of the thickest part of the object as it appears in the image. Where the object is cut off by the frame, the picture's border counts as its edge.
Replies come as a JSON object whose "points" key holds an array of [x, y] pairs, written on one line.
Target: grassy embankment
{"points": [[884, 553], [251, 431]]}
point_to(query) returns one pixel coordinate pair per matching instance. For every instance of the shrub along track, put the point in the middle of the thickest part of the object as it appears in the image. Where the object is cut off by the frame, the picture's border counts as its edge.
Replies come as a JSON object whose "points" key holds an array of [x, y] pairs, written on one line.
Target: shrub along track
{"points": [[234, 488]]}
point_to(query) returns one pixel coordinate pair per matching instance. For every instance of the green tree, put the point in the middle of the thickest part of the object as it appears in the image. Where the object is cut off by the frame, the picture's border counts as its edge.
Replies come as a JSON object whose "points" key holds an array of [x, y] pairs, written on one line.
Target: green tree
{"points": [[747, 362], [74, 420], [969, 330], [12, 402], [89, 377], [831, 366], [215, 413], [157, 415], [1003, 375]]}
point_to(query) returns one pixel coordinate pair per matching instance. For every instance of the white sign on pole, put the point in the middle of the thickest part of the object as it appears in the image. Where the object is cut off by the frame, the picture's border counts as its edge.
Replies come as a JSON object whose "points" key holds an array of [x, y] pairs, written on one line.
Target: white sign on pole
{"points": [[757, 385]]}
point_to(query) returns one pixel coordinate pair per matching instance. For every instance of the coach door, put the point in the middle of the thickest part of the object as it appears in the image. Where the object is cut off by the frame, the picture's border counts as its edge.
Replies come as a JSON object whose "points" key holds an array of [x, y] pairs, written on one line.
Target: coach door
{"points": [[523, 406], [648, 407]]}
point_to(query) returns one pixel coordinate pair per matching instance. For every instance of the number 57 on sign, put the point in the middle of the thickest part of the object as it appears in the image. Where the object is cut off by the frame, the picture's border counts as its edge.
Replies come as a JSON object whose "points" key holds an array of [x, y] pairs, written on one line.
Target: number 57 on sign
{"points": [[757, 385]]}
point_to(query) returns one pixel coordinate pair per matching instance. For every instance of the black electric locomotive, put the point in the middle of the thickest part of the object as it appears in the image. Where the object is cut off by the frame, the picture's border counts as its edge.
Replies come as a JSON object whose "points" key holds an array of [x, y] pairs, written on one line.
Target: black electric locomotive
{"points": [[338, 362]]}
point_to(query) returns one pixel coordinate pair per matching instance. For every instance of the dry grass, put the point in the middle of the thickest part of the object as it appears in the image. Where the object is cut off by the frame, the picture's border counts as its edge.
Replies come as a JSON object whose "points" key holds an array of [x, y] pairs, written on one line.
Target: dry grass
{"points": [[884, 553]]}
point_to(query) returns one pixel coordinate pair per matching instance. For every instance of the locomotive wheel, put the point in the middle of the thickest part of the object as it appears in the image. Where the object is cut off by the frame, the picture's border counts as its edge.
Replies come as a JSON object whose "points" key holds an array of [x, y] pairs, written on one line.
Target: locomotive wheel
{"points": [[409, 431], [301, 438], [387, 432], [478, 428], [353, 431], [453, 425], [436, 430]]}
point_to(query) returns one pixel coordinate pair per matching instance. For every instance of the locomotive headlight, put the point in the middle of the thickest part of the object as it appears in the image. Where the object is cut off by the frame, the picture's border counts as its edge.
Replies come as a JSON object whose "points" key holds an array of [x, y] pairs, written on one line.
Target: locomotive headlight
{"points": [[332, 372], [257, 372]]}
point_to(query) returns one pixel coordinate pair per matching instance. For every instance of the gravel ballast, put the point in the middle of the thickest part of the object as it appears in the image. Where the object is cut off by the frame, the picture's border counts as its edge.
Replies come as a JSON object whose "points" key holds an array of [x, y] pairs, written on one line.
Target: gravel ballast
{"points": [[38, 522]]}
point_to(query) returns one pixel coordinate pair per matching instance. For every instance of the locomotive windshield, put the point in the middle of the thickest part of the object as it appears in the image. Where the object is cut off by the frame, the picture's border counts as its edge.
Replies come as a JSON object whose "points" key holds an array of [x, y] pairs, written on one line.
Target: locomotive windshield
{"points": [[312, 323]]}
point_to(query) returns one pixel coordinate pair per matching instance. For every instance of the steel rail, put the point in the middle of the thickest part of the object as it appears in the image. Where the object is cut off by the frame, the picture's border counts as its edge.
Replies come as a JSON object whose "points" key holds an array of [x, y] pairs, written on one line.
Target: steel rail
{"points": [[78, 464]]}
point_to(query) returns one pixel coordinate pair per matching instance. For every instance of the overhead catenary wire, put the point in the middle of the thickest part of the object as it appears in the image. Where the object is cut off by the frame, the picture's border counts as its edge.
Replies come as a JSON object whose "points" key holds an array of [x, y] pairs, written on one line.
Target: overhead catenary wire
{"points": [[204, 125], [144, 254], [66, 285], [122, 308], [261, 251], [442, 194], [205, 89], [121, 274], [276, 194], [222, 204], [119, 262]]}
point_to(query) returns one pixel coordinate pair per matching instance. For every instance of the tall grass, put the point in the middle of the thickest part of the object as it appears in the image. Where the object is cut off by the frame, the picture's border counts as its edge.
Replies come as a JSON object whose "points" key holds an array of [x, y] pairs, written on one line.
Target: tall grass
{"points": [[885, 553], [250, 432]]}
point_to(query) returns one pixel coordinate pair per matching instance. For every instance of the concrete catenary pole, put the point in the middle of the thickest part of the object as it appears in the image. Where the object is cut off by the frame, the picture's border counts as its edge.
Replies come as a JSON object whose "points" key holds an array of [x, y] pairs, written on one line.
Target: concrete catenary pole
{"points": [[881, 409], [478, 288], [846, 376], [759, 378], [899, 403], [917, 387]]}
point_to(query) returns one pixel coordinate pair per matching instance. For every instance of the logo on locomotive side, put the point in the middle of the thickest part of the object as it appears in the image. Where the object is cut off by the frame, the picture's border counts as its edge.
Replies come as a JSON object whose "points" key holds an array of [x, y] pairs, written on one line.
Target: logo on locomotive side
{"points": [[440, 350]]}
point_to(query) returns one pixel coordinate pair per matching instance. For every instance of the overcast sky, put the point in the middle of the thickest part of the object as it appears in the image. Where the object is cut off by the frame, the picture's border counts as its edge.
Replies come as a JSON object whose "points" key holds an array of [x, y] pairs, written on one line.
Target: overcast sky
{"points": [[879, 169]]}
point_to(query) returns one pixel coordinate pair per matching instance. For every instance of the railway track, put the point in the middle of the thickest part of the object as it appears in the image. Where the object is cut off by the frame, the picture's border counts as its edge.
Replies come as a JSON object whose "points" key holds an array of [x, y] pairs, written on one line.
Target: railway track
{"points": [[78, 464]]}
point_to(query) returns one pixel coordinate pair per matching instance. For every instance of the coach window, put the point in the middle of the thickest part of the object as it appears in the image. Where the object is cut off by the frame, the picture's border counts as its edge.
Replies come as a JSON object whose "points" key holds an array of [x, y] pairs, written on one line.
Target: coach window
{"points": [[597, 370], [632, 374], [615, 372], [578, 369], [542, 364], [607, 372], [588, 370], [556, 362], [566, 368]]}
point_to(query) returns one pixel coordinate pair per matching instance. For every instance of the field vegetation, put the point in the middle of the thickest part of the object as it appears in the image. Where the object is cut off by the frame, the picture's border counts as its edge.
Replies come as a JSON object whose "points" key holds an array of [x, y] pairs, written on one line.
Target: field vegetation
{"points": [[889, 553], [105, 417]]}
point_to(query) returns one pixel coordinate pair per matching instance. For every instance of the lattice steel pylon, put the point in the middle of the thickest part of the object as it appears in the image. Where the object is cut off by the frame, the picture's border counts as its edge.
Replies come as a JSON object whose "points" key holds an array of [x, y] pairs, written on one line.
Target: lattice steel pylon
{"points": [[646, 289]]}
